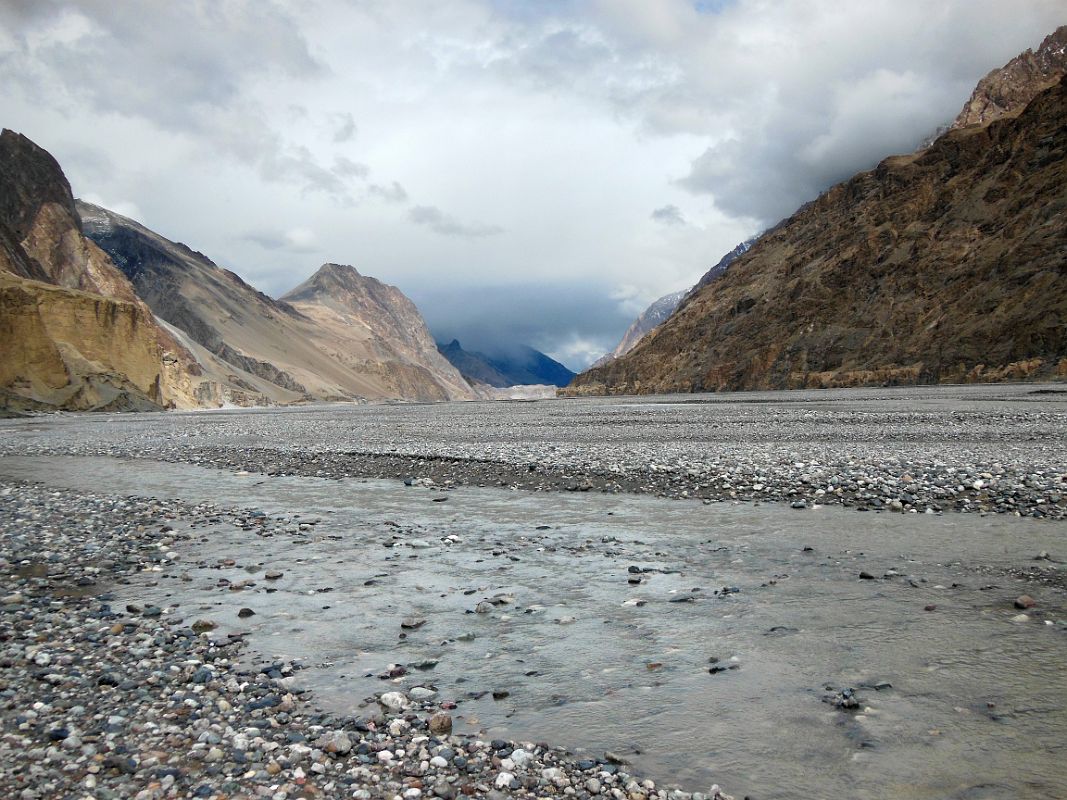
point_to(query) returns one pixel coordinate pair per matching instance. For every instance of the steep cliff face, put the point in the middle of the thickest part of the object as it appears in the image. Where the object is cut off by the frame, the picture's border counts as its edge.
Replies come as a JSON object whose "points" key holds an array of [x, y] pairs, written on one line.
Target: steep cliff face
{"points": [[944, 266], [41, 228], [109, 353], [1007, 90], [66, 349]]}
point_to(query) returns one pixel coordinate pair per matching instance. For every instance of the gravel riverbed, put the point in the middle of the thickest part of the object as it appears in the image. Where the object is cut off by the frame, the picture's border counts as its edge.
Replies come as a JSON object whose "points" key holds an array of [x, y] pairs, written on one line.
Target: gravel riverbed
{"points": [[1000, 449], [106, 700], [102, 699]]}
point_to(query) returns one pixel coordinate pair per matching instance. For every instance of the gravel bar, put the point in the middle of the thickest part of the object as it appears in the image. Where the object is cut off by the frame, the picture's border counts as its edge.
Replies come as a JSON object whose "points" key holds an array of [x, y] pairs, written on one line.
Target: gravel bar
{"points": [[999, 448]]}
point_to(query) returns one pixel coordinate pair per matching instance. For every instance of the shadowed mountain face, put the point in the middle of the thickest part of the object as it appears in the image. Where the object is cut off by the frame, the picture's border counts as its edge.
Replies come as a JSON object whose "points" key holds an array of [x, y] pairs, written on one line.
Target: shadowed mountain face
{"points": [[73, 335], [948, 265], [518, 366], [316, 345]]}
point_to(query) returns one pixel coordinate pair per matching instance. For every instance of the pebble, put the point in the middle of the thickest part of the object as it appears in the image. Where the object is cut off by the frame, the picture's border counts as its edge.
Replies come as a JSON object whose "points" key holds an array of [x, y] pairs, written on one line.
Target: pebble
{"points": [[441, 724], [947, 455], [193, 722], [394, 701]]}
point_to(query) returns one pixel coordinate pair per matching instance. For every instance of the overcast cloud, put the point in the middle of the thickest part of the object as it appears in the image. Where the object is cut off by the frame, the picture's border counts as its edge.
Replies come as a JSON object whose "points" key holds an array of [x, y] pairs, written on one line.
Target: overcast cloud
{"points": [[525, 171]]}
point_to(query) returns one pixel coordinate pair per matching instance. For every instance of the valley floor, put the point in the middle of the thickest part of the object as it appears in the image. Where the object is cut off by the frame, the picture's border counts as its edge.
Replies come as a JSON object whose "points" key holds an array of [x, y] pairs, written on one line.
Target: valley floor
{"points": [[996, 448], [218, 604]]}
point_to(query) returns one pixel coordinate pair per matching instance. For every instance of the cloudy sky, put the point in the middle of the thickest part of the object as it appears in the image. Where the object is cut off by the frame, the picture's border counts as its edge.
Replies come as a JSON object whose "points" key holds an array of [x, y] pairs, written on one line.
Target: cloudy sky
{"points": [[523, 169]]}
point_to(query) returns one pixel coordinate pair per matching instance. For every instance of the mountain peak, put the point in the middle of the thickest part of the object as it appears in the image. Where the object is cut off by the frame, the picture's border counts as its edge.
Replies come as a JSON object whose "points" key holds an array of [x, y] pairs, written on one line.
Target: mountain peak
{"points": [[329, 280], [31, 178], [329, 272], [337, 270], [1006, 90]]}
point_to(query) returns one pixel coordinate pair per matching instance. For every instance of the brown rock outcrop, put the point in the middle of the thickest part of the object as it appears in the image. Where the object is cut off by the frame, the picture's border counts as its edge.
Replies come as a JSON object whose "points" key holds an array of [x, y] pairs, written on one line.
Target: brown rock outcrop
{"points": [[1007, 90], [948, 265]]}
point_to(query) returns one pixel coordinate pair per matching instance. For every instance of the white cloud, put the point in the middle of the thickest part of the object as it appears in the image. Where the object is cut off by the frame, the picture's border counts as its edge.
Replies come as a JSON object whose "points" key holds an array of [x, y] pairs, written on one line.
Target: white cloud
{"points": [[561, 123]]}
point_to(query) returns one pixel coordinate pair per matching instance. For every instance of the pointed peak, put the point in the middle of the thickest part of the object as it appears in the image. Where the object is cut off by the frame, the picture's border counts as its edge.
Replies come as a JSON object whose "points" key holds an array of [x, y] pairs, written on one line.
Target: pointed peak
{"points": [[334, 280], [341, 271]]}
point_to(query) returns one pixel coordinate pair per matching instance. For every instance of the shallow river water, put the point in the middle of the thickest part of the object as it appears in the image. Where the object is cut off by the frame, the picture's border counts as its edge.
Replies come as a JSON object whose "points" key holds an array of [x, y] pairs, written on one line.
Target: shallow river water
{"points": [[972, 701]]}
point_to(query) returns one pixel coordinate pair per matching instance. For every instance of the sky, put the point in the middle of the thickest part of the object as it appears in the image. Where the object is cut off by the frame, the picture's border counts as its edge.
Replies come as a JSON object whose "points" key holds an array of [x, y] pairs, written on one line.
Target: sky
{"points": [[532, 171]]}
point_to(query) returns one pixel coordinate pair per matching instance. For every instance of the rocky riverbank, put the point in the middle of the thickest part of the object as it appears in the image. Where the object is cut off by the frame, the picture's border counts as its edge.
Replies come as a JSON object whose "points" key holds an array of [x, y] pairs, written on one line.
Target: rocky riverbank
{"points": [[102, 699]]}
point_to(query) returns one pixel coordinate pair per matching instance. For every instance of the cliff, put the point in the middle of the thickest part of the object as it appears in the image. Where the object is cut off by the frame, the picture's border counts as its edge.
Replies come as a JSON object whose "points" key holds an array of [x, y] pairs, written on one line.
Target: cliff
{"points": [[73, 334]]}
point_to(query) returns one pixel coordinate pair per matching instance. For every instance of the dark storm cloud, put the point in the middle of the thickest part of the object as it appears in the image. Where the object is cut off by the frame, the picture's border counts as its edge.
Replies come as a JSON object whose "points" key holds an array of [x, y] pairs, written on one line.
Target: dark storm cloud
{"points": [[668, 215], [439, 222], [573, 322]]}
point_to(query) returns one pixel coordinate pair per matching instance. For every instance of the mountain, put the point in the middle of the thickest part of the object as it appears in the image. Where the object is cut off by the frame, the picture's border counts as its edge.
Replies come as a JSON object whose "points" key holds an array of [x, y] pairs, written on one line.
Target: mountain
{"points": [[651, 318], [517, 366], [357, 312], [256, 350], [947, 265], [73, 334], [475, 367], [1008, 89]]}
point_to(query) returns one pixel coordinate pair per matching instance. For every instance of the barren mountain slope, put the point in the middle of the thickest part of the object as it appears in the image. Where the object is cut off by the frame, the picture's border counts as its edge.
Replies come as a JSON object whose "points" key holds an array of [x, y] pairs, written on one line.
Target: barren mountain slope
{"points": [[272, 348], [947, 265], [355, 313], [649, 320]]}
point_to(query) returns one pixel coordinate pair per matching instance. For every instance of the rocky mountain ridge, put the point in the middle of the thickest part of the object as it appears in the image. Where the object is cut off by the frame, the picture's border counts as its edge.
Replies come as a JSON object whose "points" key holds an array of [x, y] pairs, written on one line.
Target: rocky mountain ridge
{"points": [[660, 310], [1008, 89], [335, 337], [649, 319], [946, 265]]}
